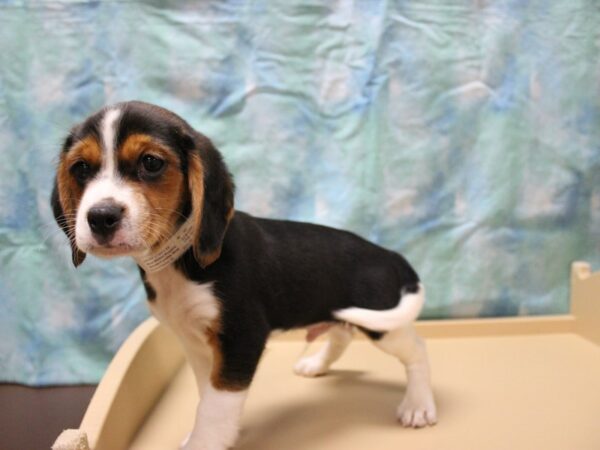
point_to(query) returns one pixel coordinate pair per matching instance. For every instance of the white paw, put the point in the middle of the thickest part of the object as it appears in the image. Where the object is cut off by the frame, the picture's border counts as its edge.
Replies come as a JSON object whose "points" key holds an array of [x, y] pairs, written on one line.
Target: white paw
{"points": [[417, 412], [310, 366]]}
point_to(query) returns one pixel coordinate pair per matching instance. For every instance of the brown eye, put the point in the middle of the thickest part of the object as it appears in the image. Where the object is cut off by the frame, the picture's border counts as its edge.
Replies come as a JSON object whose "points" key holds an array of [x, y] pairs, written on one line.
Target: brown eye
{"points": [[151, 165], [81, 171]]}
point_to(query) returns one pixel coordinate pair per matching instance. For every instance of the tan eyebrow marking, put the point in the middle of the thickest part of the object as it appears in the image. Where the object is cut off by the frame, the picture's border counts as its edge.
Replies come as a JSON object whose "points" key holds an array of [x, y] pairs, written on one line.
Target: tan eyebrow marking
{"points": [[87, 149], [136, 144]]}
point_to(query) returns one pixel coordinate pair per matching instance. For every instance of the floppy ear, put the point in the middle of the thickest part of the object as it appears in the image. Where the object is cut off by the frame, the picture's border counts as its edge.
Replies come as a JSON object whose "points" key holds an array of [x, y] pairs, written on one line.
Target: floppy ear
{"points": [[211, 192], [66, 223]]}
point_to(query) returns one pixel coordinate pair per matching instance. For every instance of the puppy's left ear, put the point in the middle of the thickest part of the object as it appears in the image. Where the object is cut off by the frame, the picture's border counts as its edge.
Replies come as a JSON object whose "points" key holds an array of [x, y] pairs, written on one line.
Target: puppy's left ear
{"points": [[211, 191], [66, 223]]}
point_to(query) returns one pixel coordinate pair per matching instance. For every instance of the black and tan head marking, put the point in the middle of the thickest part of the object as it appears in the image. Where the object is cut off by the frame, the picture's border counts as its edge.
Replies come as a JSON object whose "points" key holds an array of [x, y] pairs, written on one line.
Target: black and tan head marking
{"points": [[131, 174]]}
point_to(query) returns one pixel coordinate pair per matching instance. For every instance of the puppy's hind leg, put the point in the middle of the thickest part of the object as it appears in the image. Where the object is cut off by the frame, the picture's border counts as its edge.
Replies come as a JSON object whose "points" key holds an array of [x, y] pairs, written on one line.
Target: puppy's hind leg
{"points": [[418, 406], [339, 336]]}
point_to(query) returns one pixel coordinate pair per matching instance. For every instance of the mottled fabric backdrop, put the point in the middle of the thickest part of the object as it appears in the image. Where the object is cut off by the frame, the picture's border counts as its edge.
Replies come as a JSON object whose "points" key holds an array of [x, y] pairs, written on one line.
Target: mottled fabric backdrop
{"points": [[464, 134]]}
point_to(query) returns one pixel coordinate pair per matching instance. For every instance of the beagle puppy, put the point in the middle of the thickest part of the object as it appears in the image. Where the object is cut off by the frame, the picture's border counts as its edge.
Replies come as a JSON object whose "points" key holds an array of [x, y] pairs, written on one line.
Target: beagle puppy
{"points": [[137, 180]]}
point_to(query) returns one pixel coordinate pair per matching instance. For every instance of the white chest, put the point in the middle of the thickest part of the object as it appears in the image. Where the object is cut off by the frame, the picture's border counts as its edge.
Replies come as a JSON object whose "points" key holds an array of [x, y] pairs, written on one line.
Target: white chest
{"points": [[185, 306]]}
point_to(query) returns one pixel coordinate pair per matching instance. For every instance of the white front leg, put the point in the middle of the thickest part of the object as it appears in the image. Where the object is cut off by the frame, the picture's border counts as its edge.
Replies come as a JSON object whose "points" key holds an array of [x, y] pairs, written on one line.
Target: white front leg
{"points": [[217, 419]]}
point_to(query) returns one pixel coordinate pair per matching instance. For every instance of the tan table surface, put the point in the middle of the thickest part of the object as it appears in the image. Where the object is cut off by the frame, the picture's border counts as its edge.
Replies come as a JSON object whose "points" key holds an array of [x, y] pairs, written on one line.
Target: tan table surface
{"points": [[508, 393]]}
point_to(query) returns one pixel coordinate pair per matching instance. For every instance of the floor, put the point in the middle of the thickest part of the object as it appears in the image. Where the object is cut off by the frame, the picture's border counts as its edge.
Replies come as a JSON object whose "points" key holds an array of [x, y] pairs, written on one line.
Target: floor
{"points": [[32, 418]]}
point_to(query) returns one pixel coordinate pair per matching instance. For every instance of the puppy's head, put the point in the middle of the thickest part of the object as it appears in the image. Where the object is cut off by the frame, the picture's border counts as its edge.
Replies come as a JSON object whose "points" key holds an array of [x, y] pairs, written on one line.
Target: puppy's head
{"points": [[129, 175]]}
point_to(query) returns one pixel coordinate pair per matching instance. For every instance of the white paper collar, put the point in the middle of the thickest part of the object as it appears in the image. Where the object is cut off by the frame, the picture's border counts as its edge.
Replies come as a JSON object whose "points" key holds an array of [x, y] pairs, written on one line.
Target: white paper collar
{"points": [[170, 251]]}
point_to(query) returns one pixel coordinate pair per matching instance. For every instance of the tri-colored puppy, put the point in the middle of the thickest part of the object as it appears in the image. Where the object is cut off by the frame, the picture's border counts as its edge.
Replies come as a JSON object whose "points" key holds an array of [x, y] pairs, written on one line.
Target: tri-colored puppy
{"points": [[135, 179]]}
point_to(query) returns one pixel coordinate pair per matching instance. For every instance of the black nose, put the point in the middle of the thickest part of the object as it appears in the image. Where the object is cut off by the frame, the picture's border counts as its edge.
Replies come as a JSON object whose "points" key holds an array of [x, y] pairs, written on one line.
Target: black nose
{"points": [[104, 218]]}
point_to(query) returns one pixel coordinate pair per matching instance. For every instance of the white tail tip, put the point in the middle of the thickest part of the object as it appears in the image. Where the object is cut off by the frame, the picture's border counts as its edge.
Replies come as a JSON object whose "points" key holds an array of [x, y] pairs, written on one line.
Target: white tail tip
{"points": [[406, 312]]}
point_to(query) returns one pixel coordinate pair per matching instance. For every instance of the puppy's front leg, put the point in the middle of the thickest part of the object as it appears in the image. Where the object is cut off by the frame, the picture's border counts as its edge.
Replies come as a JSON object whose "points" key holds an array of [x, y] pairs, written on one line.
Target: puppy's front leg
{"points": [[217, 419], [234, 361]]}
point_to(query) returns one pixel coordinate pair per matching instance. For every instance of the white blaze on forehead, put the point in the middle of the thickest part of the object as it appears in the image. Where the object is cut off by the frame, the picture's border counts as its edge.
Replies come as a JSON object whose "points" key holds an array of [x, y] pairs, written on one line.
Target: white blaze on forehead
{"points": [[109, 131]]}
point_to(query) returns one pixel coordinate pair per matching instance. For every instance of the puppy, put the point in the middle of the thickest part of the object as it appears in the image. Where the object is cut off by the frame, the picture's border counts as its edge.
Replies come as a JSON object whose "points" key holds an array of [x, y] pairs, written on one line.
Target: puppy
{"points": [[137, 180]]}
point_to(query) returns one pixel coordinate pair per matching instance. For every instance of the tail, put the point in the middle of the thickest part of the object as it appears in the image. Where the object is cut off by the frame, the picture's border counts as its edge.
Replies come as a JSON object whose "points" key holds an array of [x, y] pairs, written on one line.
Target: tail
{"points": [[403, 314]]}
